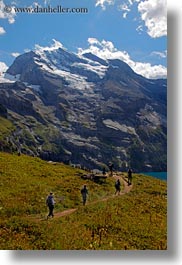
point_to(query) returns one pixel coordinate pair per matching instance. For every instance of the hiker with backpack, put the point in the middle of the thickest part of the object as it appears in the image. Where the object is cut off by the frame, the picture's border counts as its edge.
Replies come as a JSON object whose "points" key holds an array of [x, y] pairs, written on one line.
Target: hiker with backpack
{"points": [[117, 186], [84, 193], [129, 176], [50, 203]]}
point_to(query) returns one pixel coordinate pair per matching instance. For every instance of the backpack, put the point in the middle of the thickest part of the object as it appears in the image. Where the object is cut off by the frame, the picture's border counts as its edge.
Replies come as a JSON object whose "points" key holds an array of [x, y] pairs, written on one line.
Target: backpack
{"points": [[49, 200], [84, 191]]}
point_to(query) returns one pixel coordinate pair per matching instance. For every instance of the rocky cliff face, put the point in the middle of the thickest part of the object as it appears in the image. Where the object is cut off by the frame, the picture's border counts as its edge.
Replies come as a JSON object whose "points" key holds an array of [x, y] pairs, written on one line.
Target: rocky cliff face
{"points": [[85, 110]]}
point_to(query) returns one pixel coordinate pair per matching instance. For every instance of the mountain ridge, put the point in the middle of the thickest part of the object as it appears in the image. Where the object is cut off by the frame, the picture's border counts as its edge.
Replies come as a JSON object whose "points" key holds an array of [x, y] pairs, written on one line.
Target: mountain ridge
{"points": [[86, 110]]}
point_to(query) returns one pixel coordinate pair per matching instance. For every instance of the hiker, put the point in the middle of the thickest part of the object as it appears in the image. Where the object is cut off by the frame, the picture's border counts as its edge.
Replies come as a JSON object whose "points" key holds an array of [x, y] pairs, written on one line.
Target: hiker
{"points": [[111, 168], [84, 192], [129, 176], [117, 186], [104, 171], [50, 203]]}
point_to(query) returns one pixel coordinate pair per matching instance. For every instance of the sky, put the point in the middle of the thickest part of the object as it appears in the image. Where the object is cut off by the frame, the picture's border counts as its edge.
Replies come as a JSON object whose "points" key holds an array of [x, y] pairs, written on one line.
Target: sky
{"points": [[134, 31]]}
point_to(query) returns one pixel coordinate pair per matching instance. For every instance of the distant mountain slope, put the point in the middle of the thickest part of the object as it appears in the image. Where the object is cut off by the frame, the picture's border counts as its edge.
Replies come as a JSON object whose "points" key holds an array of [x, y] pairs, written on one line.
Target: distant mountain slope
{"points": [[85, 110]]}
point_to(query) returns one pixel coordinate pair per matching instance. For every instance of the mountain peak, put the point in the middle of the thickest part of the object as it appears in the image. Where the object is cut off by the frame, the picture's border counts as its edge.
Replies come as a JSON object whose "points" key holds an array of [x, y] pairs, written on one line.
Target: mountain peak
{"points": [[117, 63], [55, 46], [95, 58]]}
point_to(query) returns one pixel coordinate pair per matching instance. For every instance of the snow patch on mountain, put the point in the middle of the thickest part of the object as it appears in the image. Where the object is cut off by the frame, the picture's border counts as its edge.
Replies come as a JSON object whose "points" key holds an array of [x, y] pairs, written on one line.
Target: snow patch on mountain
{"points": [[117, 126], [34, 87], [75, 69], [75, 81], [93, 67]]}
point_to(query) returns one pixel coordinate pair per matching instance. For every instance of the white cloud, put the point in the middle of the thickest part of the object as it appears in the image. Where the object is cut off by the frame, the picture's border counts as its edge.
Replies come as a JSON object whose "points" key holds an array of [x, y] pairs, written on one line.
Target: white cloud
{"points": [[27, 50], [106, 50], [139, 29], [2, 31], [124, 7], [46, 2], [103, 3], [54, 46], [3, 67], [93, 41], [160, 54], [154, 15], [149, 71], [15, 54], [125, 14], [10, 16]]}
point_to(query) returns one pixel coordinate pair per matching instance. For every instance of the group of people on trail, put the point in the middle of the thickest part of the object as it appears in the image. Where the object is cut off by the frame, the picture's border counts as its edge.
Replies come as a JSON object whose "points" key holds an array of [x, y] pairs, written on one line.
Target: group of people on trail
{"points": [[118, 183], [50, 202], [111, 167], [84, 192]]}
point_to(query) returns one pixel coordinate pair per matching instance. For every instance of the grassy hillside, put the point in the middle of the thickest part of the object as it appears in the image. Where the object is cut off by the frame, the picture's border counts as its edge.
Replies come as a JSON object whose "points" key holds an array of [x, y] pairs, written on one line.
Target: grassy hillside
{"points": [[5, 127], [136, 220], [6, 130]]}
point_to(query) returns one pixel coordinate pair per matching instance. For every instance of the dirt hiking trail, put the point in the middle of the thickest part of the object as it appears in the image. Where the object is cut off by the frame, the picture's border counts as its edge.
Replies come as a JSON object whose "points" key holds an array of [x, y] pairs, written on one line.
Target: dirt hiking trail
{"points": [[72, 210]]}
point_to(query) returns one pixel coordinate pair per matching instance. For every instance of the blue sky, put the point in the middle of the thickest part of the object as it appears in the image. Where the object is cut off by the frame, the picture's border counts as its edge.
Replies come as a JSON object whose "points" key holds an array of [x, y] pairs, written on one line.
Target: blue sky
{"points": [[131, 30]]}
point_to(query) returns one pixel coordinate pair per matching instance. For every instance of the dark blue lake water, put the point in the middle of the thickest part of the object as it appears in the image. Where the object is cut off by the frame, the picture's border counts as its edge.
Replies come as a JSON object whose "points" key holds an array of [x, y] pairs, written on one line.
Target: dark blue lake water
{"points": [[159, 175]]}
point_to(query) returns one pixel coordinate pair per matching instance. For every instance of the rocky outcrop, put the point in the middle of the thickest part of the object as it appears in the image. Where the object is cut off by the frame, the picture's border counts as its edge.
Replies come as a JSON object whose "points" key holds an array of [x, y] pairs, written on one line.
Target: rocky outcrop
{"points": [[3, 111]]}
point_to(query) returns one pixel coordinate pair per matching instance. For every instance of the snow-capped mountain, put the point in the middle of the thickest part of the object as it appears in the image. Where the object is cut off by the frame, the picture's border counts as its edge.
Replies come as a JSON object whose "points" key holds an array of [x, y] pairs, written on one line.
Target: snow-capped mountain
{"points": [[84, 109], [77, 71]]}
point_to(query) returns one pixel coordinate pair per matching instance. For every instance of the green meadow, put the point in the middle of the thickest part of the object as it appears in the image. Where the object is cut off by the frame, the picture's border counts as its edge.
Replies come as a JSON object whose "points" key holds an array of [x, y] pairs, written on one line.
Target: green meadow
{"points": [[136, 220]]}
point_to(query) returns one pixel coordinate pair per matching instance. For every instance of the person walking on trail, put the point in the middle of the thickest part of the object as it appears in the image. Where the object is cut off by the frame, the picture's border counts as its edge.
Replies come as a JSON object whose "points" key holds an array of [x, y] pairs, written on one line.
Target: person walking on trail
{"points": [[129, 176], [117, 186], [111, 168], [50, 203], [84, 193], [104, 171]]}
